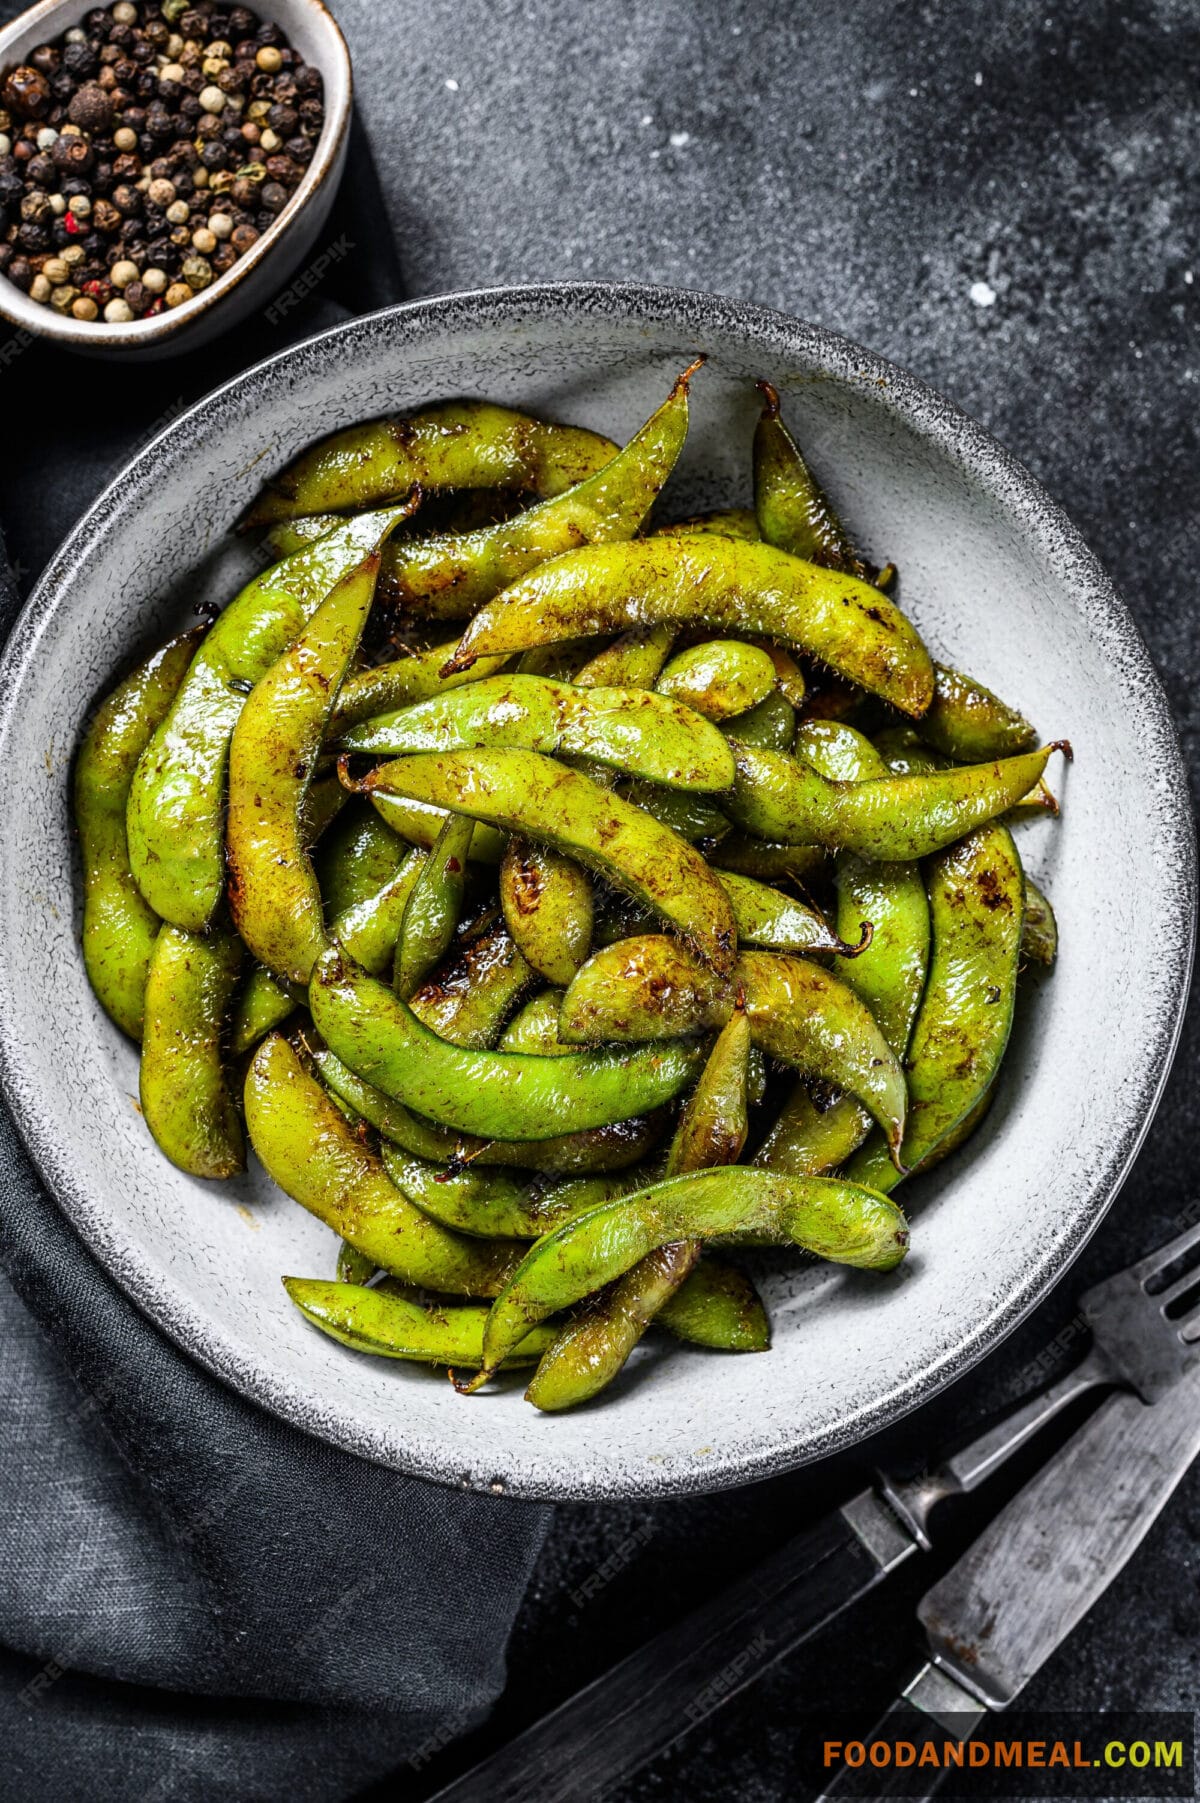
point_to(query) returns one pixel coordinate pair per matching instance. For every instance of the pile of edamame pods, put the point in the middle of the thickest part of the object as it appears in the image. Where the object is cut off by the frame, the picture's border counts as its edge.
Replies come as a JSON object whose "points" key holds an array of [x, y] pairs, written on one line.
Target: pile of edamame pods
{"points": [[556, 899]]}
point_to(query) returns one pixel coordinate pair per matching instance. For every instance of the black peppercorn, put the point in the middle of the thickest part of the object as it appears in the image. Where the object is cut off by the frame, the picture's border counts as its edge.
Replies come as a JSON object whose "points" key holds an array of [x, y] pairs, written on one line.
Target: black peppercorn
{"points": [[312, 113], [45, 59], [193, 24], [156, 32], [127, 167], [299, 149], [127, 199], [91, 109], [41, 172], [283, 120], [159, 123], [33, 238], [27, 92], [74, 184], [106, 218], [62, 86], [73, 154], [20, 271], [121, 35]]}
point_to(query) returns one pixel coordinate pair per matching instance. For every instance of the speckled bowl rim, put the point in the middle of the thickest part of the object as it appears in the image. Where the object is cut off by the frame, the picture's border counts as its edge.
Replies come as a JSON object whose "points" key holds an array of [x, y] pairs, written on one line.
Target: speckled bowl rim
{"points": [[1008, 483], [43, 322]]}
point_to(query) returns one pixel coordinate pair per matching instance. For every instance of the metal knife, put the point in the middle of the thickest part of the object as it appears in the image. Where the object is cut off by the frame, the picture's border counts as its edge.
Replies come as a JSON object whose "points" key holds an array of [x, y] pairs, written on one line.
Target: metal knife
{"points": [[1033, 1574]]}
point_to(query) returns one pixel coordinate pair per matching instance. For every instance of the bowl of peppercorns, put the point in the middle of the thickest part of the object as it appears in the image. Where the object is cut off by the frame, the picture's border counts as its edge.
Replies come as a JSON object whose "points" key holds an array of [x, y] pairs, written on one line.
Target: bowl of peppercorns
{"points": [[165, 165]]}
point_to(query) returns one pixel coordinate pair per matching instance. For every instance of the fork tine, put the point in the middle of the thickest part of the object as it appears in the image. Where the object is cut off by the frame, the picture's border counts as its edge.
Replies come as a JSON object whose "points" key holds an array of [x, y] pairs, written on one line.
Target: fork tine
{"points": [[1188, 1326], [1189, 1281], [1165, 1255]]}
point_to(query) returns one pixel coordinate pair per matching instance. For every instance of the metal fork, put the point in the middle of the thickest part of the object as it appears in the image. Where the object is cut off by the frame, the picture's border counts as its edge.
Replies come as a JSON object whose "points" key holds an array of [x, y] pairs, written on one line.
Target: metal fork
{"points": [[1145, 1328]]}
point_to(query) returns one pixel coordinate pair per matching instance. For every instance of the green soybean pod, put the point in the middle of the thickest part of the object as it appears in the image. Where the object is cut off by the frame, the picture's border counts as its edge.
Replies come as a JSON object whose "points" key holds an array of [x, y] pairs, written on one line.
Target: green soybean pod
{"points": [[970, 725], [1039, 936], [494, 1095], [816, 1131], [720, 583], [889, 818], [634, 731], [720, 678], [468, 1000], [714, 1125], [455, 444], [790, 506], [175, 816], [838, 1221], [771, 724], [632, 661], [185, 1099], [976, 903], [522, 791], [119, 926], [354, 1267], [263, 1004], [432, 907], [356, 857], [548, 908], [419, 823], [316, 1157], [384, 688], [768, 860], [726, 522], [397, 1327], [535, 1027], [273, 891]]}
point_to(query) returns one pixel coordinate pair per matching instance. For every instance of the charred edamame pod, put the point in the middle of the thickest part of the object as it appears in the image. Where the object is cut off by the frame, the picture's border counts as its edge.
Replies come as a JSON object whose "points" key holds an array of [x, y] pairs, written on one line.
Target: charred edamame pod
{"points": [[175, 816], [185, 1098], [548, 908], [356, 857], [771, 724], [969, 724], [633, 661], [468, 999], [790, 506], [720, 678], [400, 683], [718, 582], [273, 889], [838, 1221], [635, 731], [525, 792], [535, 1028], [491, 1094], [314, 1154], [1039, 936], [432, 906], [119, 926], [396, 1327], [455, 444]]}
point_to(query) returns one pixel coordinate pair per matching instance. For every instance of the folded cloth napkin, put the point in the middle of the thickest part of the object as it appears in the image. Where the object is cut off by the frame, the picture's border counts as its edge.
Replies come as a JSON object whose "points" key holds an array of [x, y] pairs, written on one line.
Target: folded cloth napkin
{"points": [[197, 1601]]}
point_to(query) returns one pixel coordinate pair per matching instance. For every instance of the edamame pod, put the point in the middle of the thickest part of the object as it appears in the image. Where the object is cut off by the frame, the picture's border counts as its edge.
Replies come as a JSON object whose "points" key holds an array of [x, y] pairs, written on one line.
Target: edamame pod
{"points": [[890, 975], [693, 817], [449, 575], [386, 687], [352, 1266], [635, 731], [490, 1094], [523, 791], [816, 1131], [890, 818], [482, 1200], [185, 1099], [791, 508], [633, 661], [535, 1028], [718, 1307], [648, 988], [264, 1004], [771, 724], [969, 724], [395, 1327], [356, 857], [717, 582], [720, 678], [1039, 935], [838, 1221], [273, 890], [547, 903], [420, 825], [726, 522], [471, 997], [119, 926], [456, 444], [175, 816], [315, 1156], [713, 1126], [611, 1148], [432, 907], [976, 904], [768, 860]]}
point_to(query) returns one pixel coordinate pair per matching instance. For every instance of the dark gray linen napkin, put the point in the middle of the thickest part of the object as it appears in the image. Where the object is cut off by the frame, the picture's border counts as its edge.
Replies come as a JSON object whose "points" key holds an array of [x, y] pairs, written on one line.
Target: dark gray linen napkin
{"points": [[197, 1601]]}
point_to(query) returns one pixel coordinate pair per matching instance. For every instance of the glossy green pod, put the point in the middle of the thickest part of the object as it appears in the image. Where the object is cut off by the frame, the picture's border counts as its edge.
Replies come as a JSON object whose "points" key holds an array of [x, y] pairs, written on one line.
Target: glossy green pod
{"points": [[522, 791], [772, 724], [633, 661], [419, 824], [890, 975], [469, 998], [1039, 936], [600, 1149], [726, 522], [765, 917], [535, 1028], [693, 817], [400, 683], [815, 1132], [273, 891], [719, 678], [768, 860], [791, 508], [634, 731], [976, 903], [890, 818], [119, 926], [356, 857], [324, 800], [396, 1327], [432, 907], [455, 444], [718, 1307], [263, 1004], [713, 1127], [316, 1157], [449, 575], [185, 1099], [486, 1201], [838, 1221], [548, 908], [176, 807], [721, 583], [648, 988], [353, 1266], [970, 725], [497, 1095]]}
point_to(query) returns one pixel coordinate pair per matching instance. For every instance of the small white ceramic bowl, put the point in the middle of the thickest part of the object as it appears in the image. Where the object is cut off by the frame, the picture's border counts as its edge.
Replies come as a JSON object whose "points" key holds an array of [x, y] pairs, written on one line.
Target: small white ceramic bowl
{"points": [[311, 29], [998, 581]]}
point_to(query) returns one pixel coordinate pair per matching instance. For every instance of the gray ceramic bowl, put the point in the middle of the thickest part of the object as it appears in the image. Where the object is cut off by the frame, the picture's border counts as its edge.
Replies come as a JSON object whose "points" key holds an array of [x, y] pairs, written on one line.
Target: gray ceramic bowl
{"points": [[311, 29], [998, 581]]}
